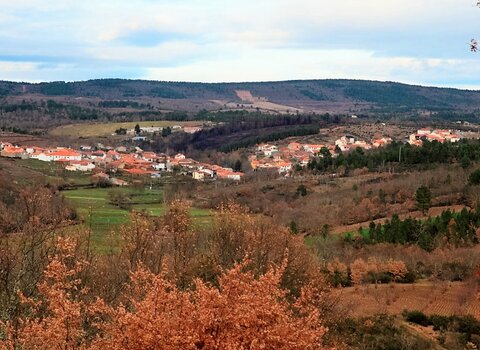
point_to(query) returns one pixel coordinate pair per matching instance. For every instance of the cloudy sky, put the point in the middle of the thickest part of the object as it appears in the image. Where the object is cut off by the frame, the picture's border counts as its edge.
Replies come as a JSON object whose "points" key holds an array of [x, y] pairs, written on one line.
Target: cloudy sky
{"points": [[412, 41]]}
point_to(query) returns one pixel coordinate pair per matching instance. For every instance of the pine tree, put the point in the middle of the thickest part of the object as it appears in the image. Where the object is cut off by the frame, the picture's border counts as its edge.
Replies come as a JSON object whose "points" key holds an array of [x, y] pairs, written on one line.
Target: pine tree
{"points": [[423, 196]]}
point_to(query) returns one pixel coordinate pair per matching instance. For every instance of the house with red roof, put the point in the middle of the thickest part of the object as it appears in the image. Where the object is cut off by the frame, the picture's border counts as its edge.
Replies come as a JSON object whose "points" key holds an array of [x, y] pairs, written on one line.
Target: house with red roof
{"points": [[226, 174], [13, 152], [60, 154]]}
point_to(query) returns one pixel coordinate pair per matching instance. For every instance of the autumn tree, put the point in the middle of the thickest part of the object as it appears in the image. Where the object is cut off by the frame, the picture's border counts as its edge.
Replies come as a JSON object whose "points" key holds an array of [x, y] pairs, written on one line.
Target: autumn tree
{"points": [[59, 317], [244, 312], [28, 229], [183, 240], [358, 270]]}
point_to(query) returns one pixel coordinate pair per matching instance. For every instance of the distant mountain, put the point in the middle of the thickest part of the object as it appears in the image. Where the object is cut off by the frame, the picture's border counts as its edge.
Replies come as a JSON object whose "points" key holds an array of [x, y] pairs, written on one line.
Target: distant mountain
{"points": [[337, 96]]}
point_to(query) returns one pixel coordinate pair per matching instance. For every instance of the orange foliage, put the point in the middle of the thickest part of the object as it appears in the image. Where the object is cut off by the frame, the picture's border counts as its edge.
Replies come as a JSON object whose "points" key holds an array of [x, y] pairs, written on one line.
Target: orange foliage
{"points": [[360, 269], [245, 312]]}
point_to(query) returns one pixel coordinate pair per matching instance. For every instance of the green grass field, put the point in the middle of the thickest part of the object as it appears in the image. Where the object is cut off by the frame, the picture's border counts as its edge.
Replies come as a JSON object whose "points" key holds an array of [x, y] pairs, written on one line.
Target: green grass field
{"points": [[107, 129], [94, 208]]}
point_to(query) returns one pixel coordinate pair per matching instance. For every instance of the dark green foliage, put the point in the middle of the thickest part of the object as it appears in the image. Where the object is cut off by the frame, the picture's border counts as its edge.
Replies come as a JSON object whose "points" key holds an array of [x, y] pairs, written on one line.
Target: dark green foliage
{"points": [[237, 166], [293, 227], [417, 317], [458, 229], [20, 107], [423, 196], [57, 88], [338, 279], [121, 131], [465, 162], [467, 326], [166, 131], [455, 271], [165, 92], [248, 142], [389, 94], [313, 95], [378, 333], [474, 178], [429, 154], [120, 104], [302, 190], [137, 129], [72, 111]]}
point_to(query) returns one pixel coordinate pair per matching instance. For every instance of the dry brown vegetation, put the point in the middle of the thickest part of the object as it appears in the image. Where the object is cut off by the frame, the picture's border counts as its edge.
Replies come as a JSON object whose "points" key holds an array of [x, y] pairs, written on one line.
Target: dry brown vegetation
{"points": [[242, 283], [343, 201], [432, 298]]}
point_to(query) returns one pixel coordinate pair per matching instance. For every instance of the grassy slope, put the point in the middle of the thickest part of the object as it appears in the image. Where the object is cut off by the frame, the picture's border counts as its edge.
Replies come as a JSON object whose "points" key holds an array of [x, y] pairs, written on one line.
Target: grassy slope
{"points": [[102, 217], [107, 129], [92, 204]]}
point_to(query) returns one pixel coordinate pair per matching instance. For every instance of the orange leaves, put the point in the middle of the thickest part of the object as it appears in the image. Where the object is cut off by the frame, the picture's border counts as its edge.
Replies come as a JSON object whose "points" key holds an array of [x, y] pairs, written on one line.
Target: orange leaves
{"points": [[57, 320], [360, 268], [397, 268], [157, 293], [244, 313]]}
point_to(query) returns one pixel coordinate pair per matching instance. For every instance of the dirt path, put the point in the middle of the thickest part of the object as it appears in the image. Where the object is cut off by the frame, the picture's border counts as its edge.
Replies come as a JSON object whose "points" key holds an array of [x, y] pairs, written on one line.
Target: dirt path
{"points": [[435, 211]]}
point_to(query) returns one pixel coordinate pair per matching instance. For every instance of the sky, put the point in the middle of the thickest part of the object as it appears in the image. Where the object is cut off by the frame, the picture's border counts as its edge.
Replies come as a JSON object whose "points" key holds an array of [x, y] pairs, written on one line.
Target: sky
{"points": [[412, 41]]}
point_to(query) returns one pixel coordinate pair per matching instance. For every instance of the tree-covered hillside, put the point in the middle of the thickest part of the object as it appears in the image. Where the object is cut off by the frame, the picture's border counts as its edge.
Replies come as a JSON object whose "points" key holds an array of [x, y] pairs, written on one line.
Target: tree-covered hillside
{"points": [[299, 92]]}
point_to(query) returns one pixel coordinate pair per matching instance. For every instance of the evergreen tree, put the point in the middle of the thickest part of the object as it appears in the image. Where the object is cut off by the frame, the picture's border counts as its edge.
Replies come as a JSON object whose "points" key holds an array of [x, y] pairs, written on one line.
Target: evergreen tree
{"points": [[423, 196], [474, 178], [137, 129]]}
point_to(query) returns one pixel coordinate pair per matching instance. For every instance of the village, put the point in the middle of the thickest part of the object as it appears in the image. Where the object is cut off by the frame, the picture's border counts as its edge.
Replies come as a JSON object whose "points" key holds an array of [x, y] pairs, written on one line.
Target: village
{"points": [[107, 162], [283, 158]]}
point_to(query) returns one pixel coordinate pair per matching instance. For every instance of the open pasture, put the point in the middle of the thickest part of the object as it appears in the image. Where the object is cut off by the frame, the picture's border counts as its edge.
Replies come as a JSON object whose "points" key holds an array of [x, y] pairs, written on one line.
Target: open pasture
{"points": [[107, 129], [97, 213]]}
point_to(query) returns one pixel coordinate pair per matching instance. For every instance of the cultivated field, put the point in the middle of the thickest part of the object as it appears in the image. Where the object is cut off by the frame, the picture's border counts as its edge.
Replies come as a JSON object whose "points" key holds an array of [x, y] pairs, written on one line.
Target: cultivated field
{"points": [[439, 298], [107, 129]]}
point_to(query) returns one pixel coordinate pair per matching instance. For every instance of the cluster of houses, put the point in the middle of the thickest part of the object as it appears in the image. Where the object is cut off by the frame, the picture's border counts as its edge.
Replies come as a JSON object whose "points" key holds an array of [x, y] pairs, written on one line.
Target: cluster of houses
{"points": [[427, 134], [134, 163], [282, 159]]}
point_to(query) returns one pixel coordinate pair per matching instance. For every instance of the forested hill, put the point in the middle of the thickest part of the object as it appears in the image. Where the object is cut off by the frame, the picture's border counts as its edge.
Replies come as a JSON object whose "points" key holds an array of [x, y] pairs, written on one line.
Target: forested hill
{"points": [[335, 95]]}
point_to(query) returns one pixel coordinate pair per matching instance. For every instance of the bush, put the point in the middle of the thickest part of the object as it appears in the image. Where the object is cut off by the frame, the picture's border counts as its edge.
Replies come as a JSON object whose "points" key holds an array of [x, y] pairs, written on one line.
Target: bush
{"points": [[378, 333], [474, 178], [455, 271], [416, 317], [410, 277]]}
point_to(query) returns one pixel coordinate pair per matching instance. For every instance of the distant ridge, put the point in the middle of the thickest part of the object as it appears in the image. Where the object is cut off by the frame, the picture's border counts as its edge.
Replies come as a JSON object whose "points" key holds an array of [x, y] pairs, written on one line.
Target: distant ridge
{"points": [[337, 95]]}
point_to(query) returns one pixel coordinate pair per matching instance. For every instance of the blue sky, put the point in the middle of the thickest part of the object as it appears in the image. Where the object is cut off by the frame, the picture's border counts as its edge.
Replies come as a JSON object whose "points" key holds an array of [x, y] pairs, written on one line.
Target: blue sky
{"points": [[412, 41]]}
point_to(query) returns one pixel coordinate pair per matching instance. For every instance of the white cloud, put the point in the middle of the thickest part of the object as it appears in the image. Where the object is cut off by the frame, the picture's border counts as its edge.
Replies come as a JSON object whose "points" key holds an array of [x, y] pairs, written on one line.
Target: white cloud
{"points": [[266, 65], [243, 40]]}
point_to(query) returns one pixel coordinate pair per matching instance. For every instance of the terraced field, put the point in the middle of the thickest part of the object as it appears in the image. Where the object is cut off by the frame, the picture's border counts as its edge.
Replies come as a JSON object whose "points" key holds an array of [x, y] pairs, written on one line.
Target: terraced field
{"points": [[432, 298]]}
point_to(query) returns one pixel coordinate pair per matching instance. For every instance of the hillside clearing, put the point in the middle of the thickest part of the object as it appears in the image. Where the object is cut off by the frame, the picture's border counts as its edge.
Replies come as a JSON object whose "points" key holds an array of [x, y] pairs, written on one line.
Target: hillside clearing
{"points": [[107, 129]]}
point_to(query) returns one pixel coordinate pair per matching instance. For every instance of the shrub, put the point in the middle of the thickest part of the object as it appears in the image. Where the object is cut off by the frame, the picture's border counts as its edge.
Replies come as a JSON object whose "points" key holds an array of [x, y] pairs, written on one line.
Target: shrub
{"points": [[474, 178], [416, 317]]}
